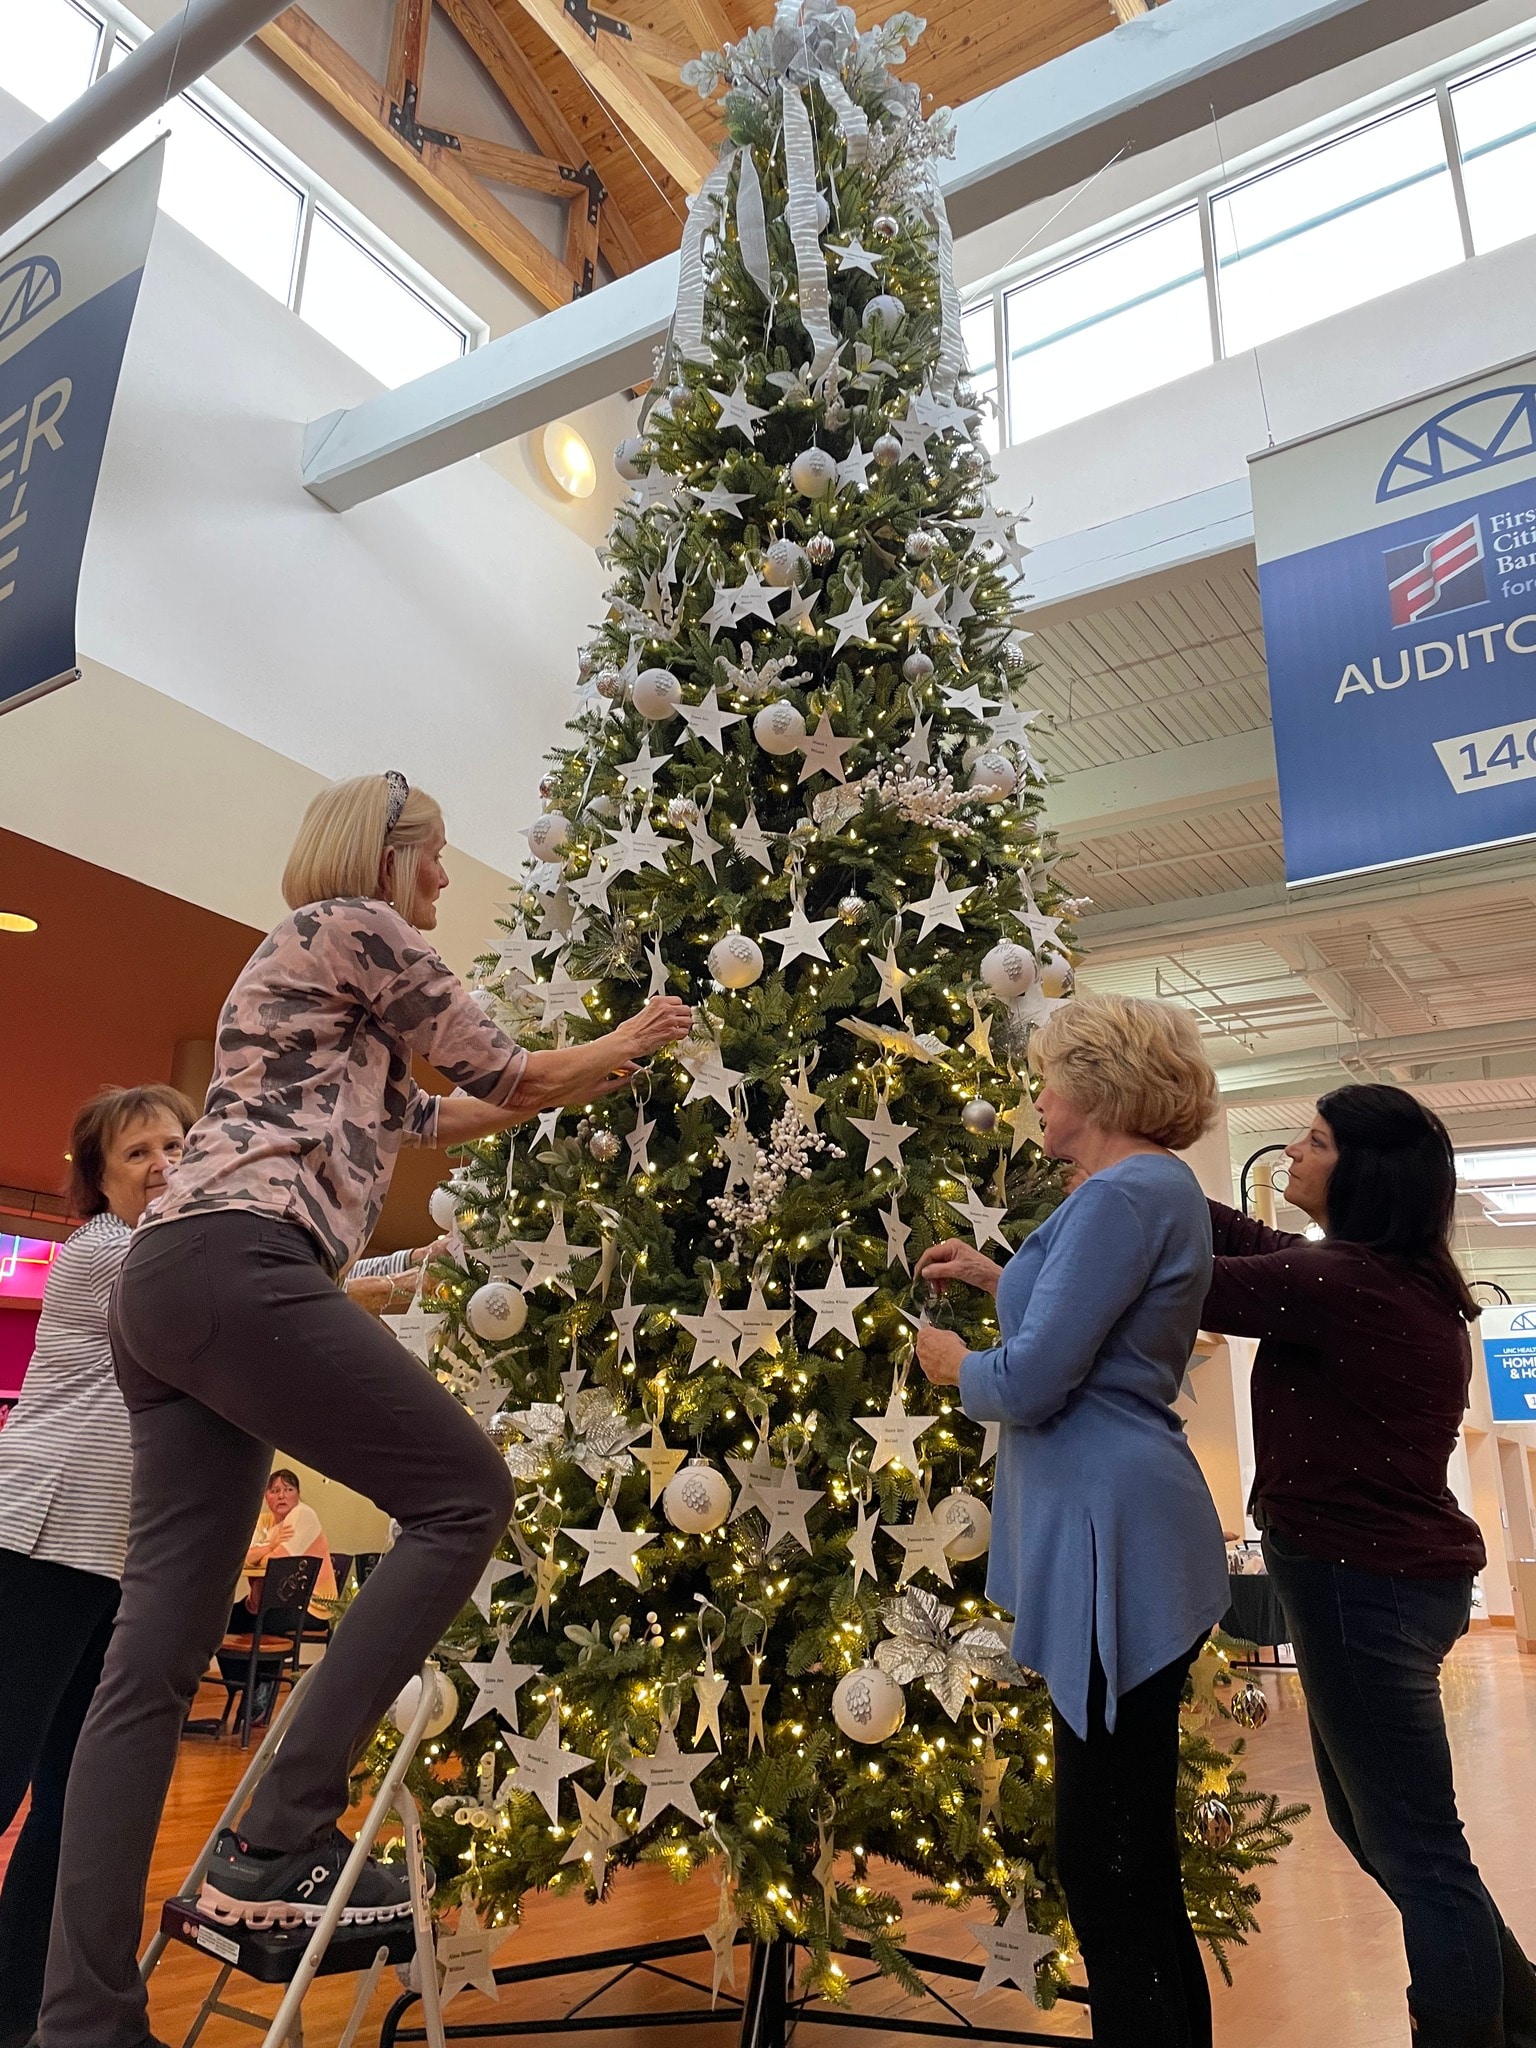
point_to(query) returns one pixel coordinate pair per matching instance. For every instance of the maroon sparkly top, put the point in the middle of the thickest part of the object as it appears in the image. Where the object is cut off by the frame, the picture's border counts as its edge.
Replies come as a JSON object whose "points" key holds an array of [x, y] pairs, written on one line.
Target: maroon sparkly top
{"points": [[1358, 1393]]}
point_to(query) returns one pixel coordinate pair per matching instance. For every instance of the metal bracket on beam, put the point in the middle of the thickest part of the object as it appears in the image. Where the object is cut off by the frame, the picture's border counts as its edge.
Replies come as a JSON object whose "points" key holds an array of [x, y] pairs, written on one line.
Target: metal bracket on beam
{"points": [[402, 119], [589, 21], [597, 191]]}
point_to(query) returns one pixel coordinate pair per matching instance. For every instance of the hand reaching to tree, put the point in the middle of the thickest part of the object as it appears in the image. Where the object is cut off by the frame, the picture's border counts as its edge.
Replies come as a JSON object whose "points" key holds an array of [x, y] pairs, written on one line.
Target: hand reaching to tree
{"points": [[956, 1261]]}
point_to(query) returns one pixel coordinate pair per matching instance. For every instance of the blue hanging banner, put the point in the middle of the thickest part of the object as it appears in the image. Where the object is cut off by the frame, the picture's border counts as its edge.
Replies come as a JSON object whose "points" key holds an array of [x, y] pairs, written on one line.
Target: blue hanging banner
{"points": [[1397, 571], [1509, 1351], [67, 296]]}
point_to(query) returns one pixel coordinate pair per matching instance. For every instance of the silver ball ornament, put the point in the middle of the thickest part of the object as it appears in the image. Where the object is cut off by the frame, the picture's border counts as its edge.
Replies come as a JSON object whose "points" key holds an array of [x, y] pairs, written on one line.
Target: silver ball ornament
{"points": [[966, 1523], [917, 667], [868, 1705], [697, 1499], [823, 212], [993, 776], [886, 451], [923, 544], [547, 787], [443, 1208], [972, 458], [784, 563], [609, 684], [1248, 1706], [682, 812], [886, 225], [779, 728], [1008, 970], [813, 472], [852, 909], [626, 457], [496, 1311], [1056, 980], [656, 693], [604, 1146], [1213, 1821], [884, 308], [980, 1117], [821, 548], [548, 835]]}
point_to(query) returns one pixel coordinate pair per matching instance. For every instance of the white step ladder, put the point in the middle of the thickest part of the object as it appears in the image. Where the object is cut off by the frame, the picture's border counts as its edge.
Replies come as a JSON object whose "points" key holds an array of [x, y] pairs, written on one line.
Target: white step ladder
{"points": [[277, 1956]]}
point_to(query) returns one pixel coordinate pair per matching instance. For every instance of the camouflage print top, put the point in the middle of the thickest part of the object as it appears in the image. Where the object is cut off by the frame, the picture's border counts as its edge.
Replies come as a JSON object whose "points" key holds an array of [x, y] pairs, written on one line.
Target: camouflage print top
{"points": [[312, 1095]]}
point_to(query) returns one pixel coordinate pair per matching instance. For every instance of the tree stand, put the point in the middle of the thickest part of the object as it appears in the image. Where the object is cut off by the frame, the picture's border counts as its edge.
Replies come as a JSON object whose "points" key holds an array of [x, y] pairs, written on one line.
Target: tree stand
{"points": [[768, 2015], [296, 1956]]}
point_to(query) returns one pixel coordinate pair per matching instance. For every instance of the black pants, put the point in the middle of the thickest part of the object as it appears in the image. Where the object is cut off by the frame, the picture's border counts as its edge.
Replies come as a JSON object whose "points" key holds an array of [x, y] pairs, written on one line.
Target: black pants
{"points": [[1369, 1649], [54, 1626], [1117, 1855], [229, 1336]]}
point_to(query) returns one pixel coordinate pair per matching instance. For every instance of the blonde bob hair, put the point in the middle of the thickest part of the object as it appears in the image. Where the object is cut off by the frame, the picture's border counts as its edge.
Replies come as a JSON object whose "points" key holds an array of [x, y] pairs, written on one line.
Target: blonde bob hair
{"points": [[345, 835], [1130, 1065]]}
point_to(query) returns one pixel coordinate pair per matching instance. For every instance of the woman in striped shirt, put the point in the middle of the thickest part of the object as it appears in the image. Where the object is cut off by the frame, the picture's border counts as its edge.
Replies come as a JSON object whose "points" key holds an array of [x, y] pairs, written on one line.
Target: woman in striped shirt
{"points": [[64, 1473]]}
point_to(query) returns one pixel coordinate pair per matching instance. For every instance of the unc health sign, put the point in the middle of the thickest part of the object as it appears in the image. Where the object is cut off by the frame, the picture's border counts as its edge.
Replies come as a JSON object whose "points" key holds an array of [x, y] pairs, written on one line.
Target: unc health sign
{"points": [[1397, 569], [1509, 1347], [66, 302]]}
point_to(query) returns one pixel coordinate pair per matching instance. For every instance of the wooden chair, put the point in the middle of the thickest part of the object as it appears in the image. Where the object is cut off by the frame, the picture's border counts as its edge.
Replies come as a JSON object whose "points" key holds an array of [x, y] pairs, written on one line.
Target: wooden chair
{"points": [[271, 1654]]}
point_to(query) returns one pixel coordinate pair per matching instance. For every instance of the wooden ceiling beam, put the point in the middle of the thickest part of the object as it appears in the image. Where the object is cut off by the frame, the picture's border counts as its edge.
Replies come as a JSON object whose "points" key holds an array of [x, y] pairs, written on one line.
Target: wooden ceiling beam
{"points": [[337, 78], [1129, 10], [707, 23], [508, 66], [407, 54], [614, 74], [520, 167], [656, 55]]}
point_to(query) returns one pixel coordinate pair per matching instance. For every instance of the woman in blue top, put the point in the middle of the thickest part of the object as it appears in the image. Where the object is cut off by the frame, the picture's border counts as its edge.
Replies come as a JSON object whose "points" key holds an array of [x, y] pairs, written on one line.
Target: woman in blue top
{"points": [[1106, 1545]]}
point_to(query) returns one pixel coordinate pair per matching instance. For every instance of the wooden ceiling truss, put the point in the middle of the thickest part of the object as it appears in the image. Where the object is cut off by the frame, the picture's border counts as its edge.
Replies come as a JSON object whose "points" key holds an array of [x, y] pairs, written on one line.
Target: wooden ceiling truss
{"points": [[615, 136]]}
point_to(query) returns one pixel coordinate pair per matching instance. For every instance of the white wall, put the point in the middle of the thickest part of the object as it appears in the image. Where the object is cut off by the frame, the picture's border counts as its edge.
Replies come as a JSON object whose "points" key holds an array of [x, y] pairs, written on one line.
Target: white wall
{"points": [[433, 630]]}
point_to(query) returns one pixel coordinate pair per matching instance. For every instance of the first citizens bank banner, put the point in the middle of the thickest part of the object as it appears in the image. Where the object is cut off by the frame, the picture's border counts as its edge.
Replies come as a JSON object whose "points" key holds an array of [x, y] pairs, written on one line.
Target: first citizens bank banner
{"points": [[1397, 570], [67, 296]]}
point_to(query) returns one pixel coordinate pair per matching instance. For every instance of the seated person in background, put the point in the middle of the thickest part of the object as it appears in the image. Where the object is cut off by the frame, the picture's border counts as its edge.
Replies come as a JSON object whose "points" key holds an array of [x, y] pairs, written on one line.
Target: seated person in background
{"points": [[385, 1285], [287, 1528]]}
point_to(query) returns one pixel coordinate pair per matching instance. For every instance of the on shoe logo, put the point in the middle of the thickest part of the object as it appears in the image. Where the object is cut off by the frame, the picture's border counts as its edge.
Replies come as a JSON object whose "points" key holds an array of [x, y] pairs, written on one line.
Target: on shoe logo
{"points": [[315, 1878]]}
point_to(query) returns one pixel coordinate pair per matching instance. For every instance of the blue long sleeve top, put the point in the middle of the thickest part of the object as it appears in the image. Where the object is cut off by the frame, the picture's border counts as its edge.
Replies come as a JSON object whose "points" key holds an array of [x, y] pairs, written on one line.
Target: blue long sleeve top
{"points": [[1103, 1528]]}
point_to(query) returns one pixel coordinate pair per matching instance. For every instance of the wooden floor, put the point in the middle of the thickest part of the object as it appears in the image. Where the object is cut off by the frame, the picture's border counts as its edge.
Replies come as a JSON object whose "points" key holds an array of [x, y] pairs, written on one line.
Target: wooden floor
{"points": [[1328, 1966]]}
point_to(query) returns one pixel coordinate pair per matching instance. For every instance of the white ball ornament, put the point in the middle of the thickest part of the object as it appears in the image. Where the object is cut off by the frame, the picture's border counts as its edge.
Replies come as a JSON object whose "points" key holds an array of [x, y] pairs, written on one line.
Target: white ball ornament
{"points": [[443, 1208], [784, 563], [868, 1705], [813, 472], [993, 776], [823, 212], [736, 961], [626, 457], [697, 1499], [779, 728], [656, 693], [1008, 970], [886, 451], [1056, 979], [408, 1699], [496, 1311], [886, 308], [548, 836], [966, 1523], [917, 667]]}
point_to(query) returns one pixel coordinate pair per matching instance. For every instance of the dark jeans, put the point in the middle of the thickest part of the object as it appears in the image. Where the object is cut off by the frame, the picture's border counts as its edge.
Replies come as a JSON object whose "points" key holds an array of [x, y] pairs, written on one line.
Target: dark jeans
{"points": [[229, 1336], [1369, 1647], [1117, 1855], [54, 1626]]}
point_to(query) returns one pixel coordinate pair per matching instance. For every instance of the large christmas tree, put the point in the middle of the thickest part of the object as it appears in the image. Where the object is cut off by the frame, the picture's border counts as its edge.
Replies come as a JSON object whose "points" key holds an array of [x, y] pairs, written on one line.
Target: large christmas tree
{"points": [[742, 1606]]}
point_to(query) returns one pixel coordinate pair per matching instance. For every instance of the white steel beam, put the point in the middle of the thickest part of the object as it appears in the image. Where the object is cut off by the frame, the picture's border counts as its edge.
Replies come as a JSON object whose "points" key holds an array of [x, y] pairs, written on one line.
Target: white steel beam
{"points": [[1158, 77], [1210, 775]]}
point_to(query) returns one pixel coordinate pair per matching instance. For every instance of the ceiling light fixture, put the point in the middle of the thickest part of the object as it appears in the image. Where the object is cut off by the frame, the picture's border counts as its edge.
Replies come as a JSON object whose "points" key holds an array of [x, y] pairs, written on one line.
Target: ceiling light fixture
{"points": [[15, 921], [569, 460]]}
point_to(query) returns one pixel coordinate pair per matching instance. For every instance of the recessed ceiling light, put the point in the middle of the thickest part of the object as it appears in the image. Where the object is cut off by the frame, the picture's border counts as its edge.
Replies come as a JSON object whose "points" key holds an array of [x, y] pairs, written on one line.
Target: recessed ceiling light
{"points": [[14, 921], [570, 460]]}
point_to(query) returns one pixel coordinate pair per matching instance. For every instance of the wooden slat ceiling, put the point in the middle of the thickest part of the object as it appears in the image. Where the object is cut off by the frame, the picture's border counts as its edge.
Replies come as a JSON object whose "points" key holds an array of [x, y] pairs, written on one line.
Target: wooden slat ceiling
{"points": [[600, 102]]}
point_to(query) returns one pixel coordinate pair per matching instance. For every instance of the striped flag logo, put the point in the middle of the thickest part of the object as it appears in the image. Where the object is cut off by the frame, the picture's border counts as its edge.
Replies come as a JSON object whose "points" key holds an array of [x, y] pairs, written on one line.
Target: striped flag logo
{"points": [[1422, 576]]}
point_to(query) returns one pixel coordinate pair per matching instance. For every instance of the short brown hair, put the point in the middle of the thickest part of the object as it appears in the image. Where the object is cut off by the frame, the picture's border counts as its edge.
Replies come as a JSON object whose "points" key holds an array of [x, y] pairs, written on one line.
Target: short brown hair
{"points": [[1131, 1065], [96, 1126], [344, 836]]}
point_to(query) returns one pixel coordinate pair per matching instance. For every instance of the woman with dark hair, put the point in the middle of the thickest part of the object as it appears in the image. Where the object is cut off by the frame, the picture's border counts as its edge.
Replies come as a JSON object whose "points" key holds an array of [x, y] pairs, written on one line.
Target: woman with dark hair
{"points": [[1359, 1389], [64, 1474]]}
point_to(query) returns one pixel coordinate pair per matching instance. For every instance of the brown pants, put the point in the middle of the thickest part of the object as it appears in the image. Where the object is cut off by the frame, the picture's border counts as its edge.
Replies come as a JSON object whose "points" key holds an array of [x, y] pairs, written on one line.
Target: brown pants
{"points": [[229, 1337]]}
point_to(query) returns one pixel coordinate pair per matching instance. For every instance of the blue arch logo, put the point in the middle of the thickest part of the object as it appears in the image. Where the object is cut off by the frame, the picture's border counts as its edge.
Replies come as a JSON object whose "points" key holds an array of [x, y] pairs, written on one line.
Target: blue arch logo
{"points": [[1524, 1322], [1475, 434], [25, 290]]}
